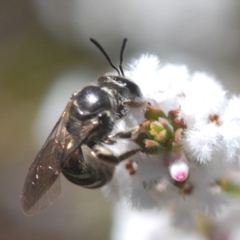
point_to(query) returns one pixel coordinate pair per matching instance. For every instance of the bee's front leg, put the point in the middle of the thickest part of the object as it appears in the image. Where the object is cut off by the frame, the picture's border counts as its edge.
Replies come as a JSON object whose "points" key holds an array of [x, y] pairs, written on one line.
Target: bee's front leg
{"points": [[129, 134], [105, 155]]}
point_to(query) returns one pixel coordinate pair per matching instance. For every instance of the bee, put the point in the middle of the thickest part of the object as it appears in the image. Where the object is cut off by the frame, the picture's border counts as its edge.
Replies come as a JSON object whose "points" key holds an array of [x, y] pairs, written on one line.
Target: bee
{"points": [[76, 145]]}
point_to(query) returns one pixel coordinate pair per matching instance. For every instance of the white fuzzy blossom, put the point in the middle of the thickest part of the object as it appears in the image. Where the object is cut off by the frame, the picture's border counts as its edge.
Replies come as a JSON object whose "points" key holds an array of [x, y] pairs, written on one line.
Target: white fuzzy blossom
{"points": [[188, 177]]}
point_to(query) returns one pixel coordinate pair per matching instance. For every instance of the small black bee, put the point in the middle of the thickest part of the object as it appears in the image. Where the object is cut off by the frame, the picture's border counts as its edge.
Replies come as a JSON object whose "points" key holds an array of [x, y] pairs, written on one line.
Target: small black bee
{"points": [[74, 147]]}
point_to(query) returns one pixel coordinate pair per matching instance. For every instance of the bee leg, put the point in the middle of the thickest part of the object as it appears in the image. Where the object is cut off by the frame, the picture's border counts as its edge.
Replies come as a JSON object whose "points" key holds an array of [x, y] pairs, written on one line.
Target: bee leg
{"points": [[107, 156], [135, 103], [109, 141], [130, 134]]}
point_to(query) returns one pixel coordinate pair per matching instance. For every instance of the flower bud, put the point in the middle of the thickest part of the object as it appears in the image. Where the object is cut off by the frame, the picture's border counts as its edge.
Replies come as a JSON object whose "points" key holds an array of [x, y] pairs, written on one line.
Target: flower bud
{"points": [[179, 170]]}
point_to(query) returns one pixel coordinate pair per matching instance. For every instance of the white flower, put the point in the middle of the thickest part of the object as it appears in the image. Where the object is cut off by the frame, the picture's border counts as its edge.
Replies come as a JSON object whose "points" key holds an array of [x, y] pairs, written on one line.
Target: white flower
{"points": [[189, 146]]}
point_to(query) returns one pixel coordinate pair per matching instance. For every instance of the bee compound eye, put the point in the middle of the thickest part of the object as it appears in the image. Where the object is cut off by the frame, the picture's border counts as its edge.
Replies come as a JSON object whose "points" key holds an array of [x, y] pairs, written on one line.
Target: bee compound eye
{"points": [[133, 88], [122, 85]]}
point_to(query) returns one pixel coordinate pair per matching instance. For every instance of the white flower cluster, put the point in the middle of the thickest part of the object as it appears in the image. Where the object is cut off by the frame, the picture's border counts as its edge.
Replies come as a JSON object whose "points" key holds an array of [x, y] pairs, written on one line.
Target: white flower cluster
{"points": [[187, 178]]}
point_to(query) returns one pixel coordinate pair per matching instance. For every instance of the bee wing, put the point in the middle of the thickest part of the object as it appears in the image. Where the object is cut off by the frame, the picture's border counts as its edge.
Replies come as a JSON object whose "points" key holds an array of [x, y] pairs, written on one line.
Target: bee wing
{"points": [[42, 184]]}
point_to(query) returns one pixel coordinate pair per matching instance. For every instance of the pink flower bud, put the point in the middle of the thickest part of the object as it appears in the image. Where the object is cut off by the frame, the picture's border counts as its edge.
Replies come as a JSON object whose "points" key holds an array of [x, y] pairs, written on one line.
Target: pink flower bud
{"points": [[179, 170]]}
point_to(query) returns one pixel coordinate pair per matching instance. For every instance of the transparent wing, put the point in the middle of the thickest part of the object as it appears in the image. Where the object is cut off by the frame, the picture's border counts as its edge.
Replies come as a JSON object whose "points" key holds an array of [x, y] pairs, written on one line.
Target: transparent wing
{"points": [[42, 184]]}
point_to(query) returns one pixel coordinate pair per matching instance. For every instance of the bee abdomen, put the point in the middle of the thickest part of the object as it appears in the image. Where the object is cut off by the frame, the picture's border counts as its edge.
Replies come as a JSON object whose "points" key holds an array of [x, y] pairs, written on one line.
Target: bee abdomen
{"points": [[86, 170]]}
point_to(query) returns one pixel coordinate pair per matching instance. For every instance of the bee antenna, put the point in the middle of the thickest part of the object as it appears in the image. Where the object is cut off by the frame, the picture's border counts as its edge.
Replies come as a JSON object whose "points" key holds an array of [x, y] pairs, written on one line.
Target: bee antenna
{"points": [[106, 55], [121, 55]]}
